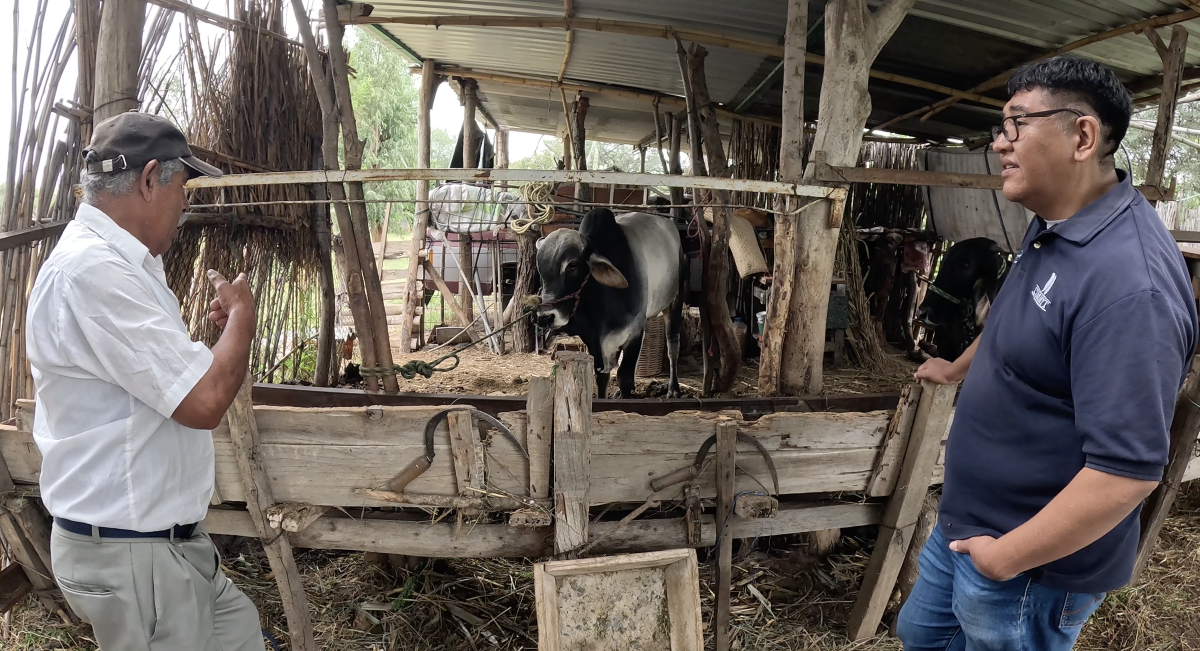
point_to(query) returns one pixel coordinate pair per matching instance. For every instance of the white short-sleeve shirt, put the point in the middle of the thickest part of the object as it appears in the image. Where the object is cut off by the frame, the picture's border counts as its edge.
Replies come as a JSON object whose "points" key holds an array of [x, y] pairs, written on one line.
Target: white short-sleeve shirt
{"points": [[111, 360]]}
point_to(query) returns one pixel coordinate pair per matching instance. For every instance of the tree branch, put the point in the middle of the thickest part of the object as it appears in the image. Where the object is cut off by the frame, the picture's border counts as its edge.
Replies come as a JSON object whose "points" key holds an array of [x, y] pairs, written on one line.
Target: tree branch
{"points": [[1157, 42], [884, 22]]}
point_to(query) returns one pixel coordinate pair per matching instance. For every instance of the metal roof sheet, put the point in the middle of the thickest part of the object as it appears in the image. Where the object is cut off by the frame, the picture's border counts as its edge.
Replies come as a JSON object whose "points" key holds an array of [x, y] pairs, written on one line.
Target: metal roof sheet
{"points": [[955, 43]]}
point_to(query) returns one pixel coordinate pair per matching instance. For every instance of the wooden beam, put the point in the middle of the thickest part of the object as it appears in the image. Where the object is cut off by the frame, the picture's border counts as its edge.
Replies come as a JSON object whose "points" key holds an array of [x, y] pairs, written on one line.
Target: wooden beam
{"points": [[574, 381], [1173, 60], [220, 21], [13, 239], [1001, 78], [243, 431], [1185, 426], [540, 433], [801, 189], [14, 585], [118, 59], [1175, 131], [900, 517], [448, 296], [895, 442]]}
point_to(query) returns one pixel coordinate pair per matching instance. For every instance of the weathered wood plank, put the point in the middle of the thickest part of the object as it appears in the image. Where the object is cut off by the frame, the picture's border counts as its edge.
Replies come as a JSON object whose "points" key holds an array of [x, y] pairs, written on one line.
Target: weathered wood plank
{"points": [[726, 467], [900, 517], [573, 387], [540, 410], [891, 454], [463, 441], [243, 431]]}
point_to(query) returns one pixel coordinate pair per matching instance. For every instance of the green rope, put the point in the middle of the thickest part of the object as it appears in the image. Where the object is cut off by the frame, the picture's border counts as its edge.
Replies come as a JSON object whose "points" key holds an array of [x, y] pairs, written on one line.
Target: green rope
{"points": [[417, 367]]}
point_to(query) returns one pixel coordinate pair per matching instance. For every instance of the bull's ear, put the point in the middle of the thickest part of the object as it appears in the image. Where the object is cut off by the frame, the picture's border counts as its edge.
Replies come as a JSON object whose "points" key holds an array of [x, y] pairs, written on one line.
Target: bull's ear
{"points": [[605, 273]]}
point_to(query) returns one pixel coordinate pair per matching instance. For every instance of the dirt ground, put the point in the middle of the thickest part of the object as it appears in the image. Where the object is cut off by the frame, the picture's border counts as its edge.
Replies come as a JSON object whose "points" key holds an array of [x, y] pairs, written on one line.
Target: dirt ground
{"points": [[481, 372], [783, 600]]}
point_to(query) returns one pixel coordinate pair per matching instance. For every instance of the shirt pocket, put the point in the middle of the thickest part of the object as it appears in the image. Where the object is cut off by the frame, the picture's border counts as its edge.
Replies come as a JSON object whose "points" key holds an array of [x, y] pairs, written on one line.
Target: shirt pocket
{"points": [[1078, 607]]}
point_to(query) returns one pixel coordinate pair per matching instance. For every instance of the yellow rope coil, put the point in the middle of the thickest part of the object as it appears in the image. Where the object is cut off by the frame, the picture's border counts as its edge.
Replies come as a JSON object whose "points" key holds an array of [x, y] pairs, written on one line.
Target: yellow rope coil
{"points": [[537, 195]]}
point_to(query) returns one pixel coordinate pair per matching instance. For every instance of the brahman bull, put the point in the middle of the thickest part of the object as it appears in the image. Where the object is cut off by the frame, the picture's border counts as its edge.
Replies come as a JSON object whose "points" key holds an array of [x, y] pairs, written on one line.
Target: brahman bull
{"points": [[957, 302]]}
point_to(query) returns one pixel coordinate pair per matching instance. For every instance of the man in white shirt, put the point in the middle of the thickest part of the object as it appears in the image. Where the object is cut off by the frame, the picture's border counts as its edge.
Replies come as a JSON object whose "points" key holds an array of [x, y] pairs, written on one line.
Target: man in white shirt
{"points": [[125, 402]]}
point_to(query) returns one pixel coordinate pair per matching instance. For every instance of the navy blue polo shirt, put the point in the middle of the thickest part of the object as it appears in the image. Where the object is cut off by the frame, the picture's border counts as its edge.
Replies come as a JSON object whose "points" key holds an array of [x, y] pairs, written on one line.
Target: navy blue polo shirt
{"points": [[1084, 351]]}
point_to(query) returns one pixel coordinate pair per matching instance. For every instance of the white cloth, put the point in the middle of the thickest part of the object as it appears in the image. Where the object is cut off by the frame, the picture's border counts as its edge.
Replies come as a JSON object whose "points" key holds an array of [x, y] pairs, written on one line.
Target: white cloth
{"points": [[111, 360]]}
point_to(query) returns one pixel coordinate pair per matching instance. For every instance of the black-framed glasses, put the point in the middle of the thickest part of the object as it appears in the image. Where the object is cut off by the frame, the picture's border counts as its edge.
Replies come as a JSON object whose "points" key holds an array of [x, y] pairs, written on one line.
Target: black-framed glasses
{"points": [[1008, 126]]}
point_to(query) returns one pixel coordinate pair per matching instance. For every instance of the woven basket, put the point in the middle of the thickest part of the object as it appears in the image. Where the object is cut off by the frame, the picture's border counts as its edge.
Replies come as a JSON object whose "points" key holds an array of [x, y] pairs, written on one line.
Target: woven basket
{"points": [[654, 345]]}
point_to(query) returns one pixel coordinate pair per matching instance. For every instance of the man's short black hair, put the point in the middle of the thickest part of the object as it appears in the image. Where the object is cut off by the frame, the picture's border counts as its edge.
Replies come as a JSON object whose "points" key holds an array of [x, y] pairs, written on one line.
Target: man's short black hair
{"points": [[1091, 83]]}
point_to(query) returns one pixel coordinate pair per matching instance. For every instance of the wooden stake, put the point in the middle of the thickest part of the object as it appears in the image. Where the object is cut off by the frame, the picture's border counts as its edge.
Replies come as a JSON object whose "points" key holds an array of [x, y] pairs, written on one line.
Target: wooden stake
{"points": [[243, 432], [415, 290], [1173, 60], [325, 375], [900, 517], [791, 144], [540, 408], [574, 383], [383, 238], [1185, 426], [353, 151], [117, 61], [726, 471]]}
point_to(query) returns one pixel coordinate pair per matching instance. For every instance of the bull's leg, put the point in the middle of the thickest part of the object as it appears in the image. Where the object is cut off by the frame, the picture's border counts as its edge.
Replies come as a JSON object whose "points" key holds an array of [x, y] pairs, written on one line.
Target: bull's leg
{"points": [[601, 384], [629, 359], [673, 319]]}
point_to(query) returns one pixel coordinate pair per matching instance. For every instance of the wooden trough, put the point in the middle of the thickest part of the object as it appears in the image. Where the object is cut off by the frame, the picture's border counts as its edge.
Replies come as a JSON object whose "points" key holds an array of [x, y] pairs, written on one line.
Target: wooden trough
{"points": [[305, 462]]}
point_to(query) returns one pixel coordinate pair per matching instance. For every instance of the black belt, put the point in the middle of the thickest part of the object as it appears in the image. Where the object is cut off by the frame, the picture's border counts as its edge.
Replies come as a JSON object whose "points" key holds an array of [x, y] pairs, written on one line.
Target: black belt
{"points": [[179, 531]]}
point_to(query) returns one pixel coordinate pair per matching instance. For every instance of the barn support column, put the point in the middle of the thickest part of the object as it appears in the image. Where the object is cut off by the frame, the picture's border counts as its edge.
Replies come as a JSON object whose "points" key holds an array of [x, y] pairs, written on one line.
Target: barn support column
{"points": [[578, 116], [413, 317], [353, 154], [1173, 60], [723, 343], [791, 169], [470, 160], [117, 62], [854, 35], [348, 253]]}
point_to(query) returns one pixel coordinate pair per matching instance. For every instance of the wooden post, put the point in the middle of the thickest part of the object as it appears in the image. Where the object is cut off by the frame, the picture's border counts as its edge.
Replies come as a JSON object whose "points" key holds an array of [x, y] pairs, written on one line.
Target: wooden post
{"points": [[327, 334], [1173, 61], [900, 517], [350, 250], [726, 475], [118, 58], [540, 409], [578, 116], [464, 439], [910, 569], [87, 33], [243, 432], [470, 149], [854, 36], [1185, 426], [574, 381], [353, 153], [466, 274], [524, 334], [414, 290], [791, 154], [716, 271], [383, 237]]}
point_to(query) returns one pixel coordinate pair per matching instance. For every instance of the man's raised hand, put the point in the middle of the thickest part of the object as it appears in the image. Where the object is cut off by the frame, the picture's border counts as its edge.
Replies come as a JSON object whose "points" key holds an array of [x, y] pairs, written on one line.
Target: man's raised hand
{"points": [[231, 297]]}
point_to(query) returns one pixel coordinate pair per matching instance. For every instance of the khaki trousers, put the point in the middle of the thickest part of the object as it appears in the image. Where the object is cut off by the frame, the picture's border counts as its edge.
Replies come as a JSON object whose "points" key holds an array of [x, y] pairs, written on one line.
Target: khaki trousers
{"points": [[151, 594]]}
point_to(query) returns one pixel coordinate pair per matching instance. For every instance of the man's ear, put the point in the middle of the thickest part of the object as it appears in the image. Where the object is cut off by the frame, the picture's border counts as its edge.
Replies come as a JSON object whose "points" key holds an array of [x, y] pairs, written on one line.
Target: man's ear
{"points": [[1089, 142], [148, 180], [605, 273]]}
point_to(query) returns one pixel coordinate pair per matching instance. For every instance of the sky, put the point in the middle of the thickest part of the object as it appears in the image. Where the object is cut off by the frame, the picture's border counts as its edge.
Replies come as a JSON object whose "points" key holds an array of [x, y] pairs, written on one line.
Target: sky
{"points": [[446, 113]]}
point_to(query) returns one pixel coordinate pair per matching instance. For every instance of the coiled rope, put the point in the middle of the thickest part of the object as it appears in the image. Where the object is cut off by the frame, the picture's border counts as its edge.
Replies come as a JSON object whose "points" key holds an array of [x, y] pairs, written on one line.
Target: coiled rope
{"points": [[538, 196]]}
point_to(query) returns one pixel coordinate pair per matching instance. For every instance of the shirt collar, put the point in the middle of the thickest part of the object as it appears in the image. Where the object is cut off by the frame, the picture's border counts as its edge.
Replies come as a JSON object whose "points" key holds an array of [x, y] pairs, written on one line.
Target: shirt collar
{"points": [[1084, 225], [122, 240]]}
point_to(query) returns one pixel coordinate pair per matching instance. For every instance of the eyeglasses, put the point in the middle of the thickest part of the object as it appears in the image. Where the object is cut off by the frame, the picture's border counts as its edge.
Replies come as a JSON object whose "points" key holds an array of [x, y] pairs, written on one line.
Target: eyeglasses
{"points": [[1008, 126]]}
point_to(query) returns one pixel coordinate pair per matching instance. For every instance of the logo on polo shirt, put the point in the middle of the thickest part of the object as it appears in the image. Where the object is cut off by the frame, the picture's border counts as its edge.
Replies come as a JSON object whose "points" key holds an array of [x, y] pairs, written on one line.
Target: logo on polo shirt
{"points": [[1039, 293]]}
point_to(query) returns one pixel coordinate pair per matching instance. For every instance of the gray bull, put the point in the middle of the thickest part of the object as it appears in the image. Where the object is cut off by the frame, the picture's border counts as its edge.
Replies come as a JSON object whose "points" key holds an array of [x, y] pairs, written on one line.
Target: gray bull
{"points": [[602, 282]]}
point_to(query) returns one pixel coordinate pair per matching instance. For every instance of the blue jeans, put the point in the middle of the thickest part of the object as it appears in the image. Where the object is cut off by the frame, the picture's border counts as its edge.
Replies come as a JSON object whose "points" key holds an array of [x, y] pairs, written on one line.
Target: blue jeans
{"points": [[954, 607]]}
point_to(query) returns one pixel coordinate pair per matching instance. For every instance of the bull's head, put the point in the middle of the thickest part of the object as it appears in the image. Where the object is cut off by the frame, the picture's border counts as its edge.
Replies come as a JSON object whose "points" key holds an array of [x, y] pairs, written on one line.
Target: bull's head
{"points": [[969, 277], [565, 263]]}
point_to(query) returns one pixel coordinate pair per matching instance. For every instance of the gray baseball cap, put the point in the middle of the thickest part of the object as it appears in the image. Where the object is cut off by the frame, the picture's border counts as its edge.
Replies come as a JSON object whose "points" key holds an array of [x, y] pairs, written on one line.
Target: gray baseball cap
{"points": [[128, 141]]}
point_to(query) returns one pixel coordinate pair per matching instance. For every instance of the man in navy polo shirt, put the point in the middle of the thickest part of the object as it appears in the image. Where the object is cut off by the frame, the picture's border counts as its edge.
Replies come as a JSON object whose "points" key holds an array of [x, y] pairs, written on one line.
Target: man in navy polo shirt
{"points": [[1061, 428]]}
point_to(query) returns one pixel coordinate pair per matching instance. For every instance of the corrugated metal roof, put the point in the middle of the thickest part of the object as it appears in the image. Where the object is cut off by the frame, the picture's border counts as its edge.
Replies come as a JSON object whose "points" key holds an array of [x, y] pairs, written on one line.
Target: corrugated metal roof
{"points": [[956, 43]]}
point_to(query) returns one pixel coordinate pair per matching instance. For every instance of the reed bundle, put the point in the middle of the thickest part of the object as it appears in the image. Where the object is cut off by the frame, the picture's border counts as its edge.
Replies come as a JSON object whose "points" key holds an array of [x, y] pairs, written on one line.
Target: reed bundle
{"points": [[43, 165], [754, 150], [249, 102]]}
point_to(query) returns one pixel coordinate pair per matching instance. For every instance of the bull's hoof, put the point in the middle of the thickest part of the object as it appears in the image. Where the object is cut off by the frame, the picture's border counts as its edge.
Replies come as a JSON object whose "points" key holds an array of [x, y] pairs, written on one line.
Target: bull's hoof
{"points": [[674, 393]]}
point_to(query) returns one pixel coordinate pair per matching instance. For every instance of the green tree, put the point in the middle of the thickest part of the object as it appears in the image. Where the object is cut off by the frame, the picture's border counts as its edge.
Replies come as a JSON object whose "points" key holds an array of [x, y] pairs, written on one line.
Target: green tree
{"points": [[385, 104], [545, 155], [441, 148]]}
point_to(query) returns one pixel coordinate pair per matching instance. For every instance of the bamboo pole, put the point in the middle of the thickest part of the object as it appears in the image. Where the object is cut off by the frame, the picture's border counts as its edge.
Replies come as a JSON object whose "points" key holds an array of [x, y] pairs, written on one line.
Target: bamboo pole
{"points": [[414, 290], [353, 150]]}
